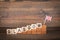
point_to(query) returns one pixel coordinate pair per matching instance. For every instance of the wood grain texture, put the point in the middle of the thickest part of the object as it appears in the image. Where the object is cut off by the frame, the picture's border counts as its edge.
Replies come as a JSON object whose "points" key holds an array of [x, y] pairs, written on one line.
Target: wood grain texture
{"points": [[14, 14]]}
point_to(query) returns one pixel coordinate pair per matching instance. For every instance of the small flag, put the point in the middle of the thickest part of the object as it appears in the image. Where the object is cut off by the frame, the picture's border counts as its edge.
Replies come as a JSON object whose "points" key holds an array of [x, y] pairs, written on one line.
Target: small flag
{"points": [[48, 18]]}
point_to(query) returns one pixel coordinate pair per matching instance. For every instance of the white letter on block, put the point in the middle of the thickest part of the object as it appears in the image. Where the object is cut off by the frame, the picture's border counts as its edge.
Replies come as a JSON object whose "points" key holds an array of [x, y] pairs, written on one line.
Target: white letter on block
{"points": [[19, 30], [39, 25], [24, 29], [33, 26], [9, 31], [28, 27], [14, 31]]}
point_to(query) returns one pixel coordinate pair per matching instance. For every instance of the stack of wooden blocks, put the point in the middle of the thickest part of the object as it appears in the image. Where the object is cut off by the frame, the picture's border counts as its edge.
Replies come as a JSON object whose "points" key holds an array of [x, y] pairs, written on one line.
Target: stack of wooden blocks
{"points": [[36, 31]]}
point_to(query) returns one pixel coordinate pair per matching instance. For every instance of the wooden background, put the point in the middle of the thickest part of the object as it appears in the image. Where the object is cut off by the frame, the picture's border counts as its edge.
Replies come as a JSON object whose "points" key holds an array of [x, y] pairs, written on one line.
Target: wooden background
{"points": [[18, 14]]}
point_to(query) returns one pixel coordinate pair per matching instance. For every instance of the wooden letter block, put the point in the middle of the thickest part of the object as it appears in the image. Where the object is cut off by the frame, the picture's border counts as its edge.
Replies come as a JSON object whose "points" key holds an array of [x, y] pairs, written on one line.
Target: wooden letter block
{"points": [[19, 30], [39, 30], [24, 29], [44, 29], [33, 31], [14, 31], [24, 33], [9, 31], [29, 32]]}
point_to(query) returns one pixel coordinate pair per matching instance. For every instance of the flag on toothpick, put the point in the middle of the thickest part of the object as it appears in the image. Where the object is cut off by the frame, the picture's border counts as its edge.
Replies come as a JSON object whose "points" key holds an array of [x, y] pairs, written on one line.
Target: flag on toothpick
{"points": [[48, 18]]}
